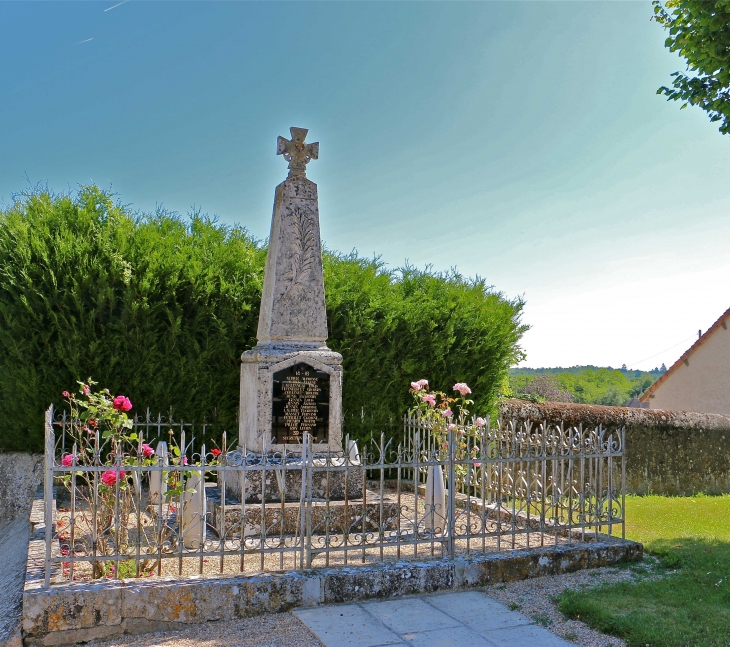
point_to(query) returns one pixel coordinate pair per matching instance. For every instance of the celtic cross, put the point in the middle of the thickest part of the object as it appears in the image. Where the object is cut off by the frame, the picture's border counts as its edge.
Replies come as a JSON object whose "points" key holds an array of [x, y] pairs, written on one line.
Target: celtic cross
{"points": [[296, 152]]}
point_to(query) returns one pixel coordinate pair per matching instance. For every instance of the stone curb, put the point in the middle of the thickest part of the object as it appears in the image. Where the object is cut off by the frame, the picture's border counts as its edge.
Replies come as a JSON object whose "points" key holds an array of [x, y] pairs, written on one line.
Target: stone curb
{"points": [[76, 612]]}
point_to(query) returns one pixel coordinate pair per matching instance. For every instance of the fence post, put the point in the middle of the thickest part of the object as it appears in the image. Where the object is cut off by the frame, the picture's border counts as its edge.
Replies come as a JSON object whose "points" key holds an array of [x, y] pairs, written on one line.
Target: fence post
{"points": [[452, 495], [48, 490], [622, 440], [308, 465]]}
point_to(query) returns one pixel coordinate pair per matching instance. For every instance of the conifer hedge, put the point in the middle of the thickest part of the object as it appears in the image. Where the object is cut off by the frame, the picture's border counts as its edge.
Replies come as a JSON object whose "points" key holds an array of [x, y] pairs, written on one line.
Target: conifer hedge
{"points": [[160, 308]]}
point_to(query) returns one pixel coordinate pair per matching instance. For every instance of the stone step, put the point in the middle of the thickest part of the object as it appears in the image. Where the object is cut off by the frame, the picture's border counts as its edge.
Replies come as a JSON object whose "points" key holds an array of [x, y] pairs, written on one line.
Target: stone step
{"points": [[285, 518], [327, 482]]}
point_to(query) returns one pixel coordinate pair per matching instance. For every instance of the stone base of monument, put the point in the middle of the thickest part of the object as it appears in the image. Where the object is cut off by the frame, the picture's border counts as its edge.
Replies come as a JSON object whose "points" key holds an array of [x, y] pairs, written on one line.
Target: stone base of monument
{"points": [[286, 518], [287, 390], [286, 484]]}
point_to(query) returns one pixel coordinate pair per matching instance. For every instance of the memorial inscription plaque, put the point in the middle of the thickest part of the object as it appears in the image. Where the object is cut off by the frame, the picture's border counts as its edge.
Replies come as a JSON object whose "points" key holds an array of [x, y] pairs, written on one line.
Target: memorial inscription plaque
{"points": [[300, 405]]}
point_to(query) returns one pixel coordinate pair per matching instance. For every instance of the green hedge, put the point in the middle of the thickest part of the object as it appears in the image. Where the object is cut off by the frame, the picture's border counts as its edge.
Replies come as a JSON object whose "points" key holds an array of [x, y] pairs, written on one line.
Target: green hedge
{"points": [[160, 309]]}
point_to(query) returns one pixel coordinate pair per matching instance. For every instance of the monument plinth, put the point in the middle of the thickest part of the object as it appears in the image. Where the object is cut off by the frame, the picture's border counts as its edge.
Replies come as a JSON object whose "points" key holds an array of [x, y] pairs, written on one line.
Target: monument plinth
{"points": [[291, 382]]}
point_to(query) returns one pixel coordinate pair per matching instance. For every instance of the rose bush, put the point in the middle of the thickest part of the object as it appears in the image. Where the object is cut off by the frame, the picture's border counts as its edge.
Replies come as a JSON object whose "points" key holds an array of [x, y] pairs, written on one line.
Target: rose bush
{"points": [[121, 403], [444, 414], [102, 436], [110, 477], [113, 501]]}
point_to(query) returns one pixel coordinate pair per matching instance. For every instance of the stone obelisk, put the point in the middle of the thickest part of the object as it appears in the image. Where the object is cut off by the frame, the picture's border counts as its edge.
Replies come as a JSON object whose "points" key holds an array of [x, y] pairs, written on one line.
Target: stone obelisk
{"points": [[291, 382]]}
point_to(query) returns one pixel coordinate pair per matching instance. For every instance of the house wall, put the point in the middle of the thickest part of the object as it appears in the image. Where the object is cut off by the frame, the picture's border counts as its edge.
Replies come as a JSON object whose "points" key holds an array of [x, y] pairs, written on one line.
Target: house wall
{"points": [[703, 383]]}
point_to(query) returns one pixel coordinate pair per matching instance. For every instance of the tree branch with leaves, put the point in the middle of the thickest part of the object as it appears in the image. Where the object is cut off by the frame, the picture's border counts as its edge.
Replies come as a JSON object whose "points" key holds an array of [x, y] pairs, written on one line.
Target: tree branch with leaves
{"points": [[699, 30]]}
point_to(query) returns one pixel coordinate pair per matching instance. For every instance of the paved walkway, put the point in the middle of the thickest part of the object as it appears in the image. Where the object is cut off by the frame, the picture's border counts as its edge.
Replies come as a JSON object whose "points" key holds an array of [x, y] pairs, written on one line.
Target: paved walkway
{"points": [[13, 552], [467, 619]]}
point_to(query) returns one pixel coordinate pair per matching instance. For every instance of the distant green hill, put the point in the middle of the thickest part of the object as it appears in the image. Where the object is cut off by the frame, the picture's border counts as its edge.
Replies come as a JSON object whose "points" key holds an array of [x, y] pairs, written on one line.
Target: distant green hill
{"points": [[589, 384], [656, 372]]}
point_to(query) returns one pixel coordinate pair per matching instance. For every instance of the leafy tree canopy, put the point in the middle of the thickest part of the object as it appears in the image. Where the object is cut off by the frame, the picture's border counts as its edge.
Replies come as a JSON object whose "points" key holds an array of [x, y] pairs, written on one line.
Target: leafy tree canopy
{"points": [[699, 30], [547, 387], [607, 386]]}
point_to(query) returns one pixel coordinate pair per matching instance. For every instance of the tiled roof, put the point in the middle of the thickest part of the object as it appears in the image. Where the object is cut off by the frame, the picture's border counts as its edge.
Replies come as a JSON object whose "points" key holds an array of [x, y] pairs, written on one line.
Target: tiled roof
{"points": [[647, 394]]}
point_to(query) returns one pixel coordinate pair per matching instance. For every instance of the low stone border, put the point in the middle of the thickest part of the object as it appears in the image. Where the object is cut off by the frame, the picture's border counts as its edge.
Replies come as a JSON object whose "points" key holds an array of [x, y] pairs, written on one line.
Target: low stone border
{"points": [[82, 611]]}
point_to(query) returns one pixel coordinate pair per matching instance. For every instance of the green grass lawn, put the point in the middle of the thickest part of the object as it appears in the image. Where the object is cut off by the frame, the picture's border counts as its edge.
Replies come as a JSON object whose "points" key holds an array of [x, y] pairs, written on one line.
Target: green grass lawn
{"points": [[689, 605]]}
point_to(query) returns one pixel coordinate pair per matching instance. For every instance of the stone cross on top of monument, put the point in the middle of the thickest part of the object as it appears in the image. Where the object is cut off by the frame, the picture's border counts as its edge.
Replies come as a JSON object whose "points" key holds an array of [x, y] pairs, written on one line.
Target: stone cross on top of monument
{"points": [[296, 152]]}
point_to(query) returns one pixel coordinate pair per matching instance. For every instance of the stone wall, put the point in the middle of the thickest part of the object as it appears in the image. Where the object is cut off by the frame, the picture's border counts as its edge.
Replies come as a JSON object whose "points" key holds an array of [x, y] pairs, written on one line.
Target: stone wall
{"points": [[20, 475], [83, 611], [667, 452]]}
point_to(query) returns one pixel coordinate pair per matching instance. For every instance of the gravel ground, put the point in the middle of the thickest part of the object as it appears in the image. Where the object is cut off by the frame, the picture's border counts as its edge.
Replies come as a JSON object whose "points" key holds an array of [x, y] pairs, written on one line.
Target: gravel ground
{"points": [[280, 630], [533, 599], [191, 564]]}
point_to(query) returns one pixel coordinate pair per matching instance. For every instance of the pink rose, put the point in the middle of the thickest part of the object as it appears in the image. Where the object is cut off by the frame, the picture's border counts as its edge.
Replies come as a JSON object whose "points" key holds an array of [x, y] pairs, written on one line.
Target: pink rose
{"points": [[110, 477], [147, 451], [430, 399], [452, 426], [66, 394], [85, 388], [462, 388], [67, 461], [447, 413], [423, 383], [477, 464], [480, 422], [415, 386], [122, 403]]}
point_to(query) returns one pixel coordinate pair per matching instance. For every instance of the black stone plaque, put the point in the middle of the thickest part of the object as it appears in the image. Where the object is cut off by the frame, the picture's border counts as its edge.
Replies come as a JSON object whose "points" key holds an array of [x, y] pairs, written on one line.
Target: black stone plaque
{"points": [[301, 404]]}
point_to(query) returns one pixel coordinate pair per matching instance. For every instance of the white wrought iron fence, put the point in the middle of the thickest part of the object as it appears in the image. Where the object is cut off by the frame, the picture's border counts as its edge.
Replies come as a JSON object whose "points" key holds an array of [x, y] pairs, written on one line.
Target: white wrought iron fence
{"points": [[153, 428], [187, 511]]}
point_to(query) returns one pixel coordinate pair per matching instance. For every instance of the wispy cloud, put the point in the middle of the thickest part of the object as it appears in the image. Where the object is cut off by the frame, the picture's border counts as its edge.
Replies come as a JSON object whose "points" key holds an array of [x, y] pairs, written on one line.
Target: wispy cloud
{"points": [[84, 41], [119, 4]]}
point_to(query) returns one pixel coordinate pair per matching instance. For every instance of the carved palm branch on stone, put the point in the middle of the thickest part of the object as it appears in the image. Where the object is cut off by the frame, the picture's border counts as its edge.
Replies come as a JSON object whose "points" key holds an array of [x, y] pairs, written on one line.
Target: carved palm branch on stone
{"points": [[303, 249]]}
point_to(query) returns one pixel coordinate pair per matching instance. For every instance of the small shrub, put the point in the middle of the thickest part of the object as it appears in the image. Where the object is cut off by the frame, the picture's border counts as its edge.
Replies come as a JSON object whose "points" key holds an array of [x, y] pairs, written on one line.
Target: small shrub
{"points": [[128, 569], [546, 387], [669, 559], [543, 619]]}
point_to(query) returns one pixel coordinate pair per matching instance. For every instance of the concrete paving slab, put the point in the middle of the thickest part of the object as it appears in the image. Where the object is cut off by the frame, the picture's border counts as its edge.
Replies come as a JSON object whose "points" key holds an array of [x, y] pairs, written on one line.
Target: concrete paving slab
{"points": [[448, 637], [477, 611], [410, 615], [465, 619], [347, 625], [526, 636]]}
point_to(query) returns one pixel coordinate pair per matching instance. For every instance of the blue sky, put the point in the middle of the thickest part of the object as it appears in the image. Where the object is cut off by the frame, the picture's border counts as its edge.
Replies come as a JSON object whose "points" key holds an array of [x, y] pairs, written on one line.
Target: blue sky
{"points": [[520, 141]]}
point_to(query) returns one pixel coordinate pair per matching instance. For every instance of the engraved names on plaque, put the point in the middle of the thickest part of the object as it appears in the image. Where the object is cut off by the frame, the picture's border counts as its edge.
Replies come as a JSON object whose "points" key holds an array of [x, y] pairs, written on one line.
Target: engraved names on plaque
{"points": [[301, 404]]}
